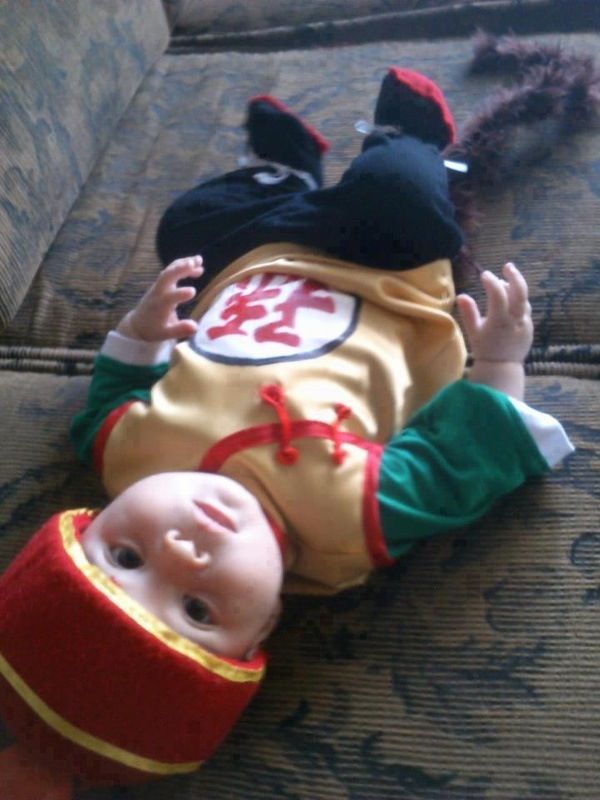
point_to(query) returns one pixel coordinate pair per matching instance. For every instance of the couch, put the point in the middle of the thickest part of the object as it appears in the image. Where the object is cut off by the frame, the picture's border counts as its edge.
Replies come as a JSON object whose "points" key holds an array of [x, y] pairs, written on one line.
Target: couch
{"points": [[471, 670]]}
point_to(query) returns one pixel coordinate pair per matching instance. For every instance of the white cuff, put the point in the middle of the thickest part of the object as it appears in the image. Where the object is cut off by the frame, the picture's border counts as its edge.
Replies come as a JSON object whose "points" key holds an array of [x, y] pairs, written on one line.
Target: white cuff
{"points": [[136, 351], [547, 432]]}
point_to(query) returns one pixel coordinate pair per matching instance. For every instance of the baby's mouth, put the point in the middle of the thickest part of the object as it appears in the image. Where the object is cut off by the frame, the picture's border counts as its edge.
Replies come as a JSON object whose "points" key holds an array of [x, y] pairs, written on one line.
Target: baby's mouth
{"points": [[216, 515]]}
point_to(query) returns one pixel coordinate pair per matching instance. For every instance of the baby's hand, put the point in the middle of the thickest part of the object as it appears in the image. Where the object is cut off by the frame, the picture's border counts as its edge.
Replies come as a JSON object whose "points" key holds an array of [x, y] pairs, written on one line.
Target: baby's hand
{"points": [[154, 319], [506, 333]]}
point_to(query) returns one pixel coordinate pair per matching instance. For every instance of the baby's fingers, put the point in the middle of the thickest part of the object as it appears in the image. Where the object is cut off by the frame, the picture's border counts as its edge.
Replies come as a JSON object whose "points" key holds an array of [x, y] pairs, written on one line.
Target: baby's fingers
{"points": [[182, 294], [517, 292], [182, 329], [190, 267], [469, 314], [496, 292]]}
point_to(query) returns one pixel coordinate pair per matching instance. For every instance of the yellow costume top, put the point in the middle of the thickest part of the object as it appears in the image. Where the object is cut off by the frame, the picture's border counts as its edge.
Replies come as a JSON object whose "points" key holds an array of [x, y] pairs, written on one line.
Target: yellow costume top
{"points": [[302, 368]]}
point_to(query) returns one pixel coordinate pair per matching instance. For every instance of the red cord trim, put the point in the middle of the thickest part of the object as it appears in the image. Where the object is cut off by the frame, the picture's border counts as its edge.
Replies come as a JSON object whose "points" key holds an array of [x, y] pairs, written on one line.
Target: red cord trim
{"points": [[371, 521], [104, 432], [314, 134], [343, 412], [273, 396], [218, 454], [268, 434], [279, 535]]}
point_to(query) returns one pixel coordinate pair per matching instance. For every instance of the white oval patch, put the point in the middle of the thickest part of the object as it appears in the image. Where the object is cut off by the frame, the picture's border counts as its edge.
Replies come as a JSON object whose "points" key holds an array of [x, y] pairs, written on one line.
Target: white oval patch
{"points": [[267, 318]]}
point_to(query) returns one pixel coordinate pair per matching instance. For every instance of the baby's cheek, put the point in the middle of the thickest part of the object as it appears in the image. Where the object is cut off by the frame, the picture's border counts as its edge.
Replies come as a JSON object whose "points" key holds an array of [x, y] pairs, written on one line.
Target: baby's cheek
{"points": [[241, 607], [237, 610]]}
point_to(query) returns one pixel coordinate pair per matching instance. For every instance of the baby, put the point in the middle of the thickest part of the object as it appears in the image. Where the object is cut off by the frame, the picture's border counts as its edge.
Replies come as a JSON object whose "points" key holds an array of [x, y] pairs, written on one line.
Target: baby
{"points": [[201, 553], [312, 423]]}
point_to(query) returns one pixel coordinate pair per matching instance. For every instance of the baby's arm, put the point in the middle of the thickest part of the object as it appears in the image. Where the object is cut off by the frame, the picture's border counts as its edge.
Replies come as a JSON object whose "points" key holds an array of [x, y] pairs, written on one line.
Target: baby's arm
{"points": [[476, 440], [135, 356], [501, 340], [154, 318]]}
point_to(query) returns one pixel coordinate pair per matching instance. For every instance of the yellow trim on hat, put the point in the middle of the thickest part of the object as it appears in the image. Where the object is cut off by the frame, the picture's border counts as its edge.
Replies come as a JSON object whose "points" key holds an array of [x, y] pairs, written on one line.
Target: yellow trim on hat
{"points": [[86, 740], [144, 618]]}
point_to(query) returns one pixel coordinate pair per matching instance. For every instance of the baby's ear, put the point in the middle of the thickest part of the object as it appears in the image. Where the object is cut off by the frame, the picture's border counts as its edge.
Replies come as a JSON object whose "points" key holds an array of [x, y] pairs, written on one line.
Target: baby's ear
{"points": [[264, 632]]}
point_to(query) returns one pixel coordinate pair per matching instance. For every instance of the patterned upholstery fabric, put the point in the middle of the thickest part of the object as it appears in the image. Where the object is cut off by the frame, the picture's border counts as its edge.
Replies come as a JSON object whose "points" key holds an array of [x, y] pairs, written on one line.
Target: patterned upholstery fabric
{"points": [[63, 91], [266, 25], [471, 670]]}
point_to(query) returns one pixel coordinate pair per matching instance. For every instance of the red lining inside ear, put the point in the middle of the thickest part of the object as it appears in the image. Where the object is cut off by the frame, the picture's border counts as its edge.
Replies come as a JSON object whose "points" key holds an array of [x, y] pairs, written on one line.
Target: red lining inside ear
{"points": [[320, 140], [425, 87]]}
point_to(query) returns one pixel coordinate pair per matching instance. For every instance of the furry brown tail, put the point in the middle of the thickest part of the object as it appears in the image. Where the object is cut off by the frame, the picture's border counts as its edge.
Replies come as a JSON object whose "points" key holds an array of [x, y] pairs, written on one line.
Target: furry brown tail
{"points": [[556, 94]]}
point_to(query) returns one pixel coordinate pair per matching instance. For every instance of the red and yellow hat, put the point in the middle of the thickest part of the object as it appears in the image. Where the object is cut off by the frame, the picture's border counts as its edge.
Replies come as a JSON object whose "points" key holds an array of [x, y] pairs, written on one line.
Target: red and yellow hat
{"points": [[92, 680]]}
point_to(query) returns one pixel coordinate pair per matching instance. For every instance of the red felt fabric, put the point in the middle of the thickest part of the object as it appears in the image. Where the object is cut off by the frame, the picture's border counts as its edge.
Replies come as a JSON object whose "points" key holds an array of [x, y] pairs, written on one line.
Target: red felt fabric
{"points": [[101, 671]]}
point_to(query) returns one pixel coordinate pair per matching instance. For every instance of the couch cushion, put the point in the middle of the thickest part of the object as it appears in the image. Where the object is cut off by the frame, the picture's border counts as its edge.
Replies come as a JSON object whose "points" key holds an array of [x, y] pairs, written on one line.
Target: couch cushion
{"points": [[214, 16], [67, 72], [185, 124], [38, 463], [283, 24], [199, 16], [469, 671]]}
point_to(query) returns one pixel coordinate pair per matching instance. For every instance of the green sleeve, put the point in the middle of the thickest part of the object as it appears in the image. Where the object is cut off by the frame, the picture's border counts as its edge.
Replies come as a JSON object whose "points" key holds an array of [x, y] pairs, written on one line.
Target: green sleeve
{"points": [[113, 383], [461, 452]]}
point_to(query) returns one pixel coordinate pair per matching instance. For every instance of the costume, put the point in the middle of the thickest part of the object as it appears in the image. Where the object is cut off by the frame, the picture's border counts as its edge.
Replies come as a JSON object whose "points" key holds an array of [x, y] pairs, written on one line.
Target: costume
{"points": [[303, 383], [315, 351]]}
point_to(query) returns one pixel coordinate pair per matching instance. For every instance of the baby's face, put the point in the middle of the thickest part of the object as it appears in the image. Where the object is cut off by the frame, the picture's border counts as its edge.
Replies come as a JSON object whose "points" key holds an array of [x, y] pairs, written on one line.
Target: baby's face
{"points": [[197, 551]]}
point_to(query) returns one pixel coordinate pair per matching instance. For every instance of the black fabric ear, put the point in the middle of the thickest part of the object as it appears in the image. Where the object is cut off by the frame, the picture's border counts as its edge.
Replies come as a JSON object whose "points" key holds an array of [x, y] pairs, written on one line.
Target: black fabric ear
{"points": [[415, 104], [276, 134]]}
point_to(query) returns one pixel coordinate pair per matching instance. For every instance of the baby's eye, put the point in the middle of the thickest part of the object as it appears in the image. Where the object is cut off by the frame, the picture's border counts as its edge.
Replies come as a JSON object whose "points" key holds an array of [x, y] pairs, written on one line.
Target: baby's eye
{"points": [[196, 610], [126, 557]]}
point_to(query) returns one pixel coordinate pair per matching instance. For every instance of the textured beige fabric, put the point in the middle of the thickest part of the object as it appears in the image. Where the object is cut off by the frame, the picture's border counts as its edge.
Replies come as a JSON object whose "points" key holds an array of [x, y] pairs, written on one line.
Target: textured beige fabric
{"points": [[63, 92]]}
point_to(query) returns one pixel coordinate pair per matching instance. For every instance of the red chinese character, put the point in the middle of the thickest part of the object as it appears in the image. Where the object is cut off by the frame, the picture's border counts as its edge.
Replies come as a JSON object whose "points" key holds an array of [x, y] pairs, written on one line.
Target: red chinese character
{"points": [[301, 297], [244, 306]]}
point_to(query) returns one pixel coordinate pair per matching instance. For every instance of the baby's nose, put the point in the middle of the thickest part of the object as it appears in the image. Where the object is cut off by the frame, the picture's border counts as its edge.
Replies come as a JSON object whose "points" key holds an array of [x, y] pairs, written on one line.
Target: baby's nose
{"points": [[183, 553]]}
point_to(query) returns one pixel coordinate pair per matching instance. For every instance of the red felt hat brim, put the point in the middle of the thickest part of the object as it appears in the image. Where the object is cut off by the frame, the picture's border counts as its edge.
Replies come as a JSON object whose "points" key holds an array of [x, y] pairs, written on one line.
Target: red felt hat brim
{"points": [[89, 677]]}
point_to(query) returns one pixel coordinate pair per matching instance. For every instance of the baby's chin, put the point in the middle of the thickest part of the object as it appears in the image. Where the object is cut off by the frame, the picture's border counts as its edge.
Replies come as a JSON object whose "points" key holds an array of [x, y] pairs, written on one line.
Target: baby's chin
{"points": [[244, 650]]}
